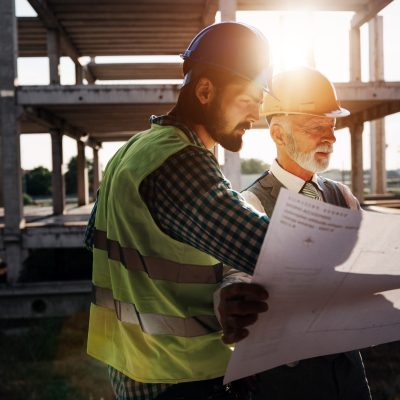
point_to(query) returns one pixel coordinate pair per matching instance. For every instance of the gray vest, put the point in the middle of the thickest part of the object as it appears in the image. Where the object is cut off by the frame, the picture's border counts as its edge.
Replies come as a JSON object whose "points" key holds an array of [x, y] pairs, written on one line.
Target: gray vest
{"points": [[267, 188]]}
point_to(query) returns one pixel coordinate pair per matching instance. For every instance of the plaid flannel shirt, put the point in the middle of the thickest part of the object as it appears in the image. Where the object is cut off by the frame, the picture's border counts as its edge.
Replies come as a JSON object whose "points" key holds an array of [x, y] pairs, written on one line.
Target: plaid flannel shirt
{"points": [[191, 201]]}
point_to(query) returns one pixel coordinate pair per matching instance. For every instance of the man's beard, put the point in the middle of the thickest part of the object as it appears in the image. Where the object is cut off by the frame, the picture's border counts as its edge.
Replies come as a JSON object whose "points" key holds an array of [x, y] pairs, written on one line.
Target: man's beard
{"points": [[307, 160], [217, 127]]}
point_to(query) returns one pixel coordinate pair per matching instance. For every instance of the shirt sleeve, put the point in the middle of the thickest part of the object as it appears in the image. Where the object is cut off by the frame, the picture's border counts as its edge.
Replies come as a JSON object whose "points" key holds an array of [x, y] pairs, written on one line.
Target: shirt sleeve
{"points": [[191, 201], [232, 275]]}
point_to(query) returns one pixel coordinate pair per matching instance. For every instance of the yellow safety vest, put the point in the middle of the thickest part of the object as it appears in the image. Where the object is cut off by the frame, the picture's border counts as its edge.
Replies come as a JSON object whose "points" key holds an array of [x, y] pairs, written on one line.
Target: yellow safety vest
{"points": [[152, 317]]}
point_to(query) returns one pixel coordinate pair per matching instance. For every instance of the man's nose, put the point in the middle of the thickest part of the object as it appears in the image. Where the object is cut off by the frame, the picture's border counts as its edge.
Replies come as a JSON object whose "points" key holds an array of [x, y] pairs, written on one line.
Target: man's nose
{"points": [[254, 114], [329, 135]]}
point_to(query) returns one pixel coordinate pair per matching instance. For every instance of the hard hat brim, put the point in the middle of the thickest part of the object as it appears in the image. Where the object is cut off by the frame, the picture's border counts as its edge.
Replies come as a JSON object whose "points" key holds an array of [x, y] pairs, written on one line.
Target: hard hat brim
{"points": [[340, 113]]}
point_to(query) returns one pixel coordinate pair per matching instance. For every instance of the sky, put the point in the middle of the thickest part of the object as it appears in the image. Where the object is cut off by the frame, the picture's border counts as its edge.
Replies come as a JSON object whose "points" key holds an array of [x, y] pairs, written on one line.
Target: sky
{"points": [[290, 35]]}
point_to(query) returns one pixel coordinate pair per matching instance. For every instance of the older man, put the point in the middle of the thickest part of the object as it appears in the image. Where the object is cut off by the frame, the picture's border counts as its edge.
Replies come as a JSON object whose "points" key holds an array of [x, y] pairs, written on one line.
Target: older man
{"points": [[301, 115]]}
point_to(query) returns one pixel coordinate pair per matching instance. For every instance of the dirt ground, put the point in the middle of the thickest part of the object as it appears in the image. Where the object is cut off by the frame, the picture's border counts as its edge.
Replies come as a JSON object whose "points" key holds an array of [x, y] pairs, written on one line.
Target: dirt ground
{"points": [[46, 360]]}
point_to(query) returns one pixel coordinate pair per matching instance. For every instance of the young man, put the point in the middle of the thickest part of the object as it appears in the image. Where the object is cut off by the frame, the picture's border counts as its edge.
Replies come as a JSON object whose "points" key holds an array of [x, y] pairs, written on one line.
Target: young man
{"points": [[301, 117], [166, 219]]}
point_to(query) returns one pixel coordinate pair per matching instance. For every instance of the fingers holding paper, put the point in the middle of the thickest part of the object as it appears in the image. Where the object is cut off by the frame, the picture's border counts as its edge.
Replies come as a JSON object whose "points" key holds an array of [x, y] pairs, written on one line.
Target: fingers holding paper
{"points": [[240, 304]]}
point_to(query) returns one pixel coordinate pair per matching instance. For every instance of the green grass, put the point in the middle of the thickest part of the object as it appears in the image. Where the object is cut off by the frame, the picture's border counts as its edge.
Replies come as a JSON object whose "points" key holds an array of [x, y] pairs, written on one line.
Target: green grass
{"points": [[46, 360]]}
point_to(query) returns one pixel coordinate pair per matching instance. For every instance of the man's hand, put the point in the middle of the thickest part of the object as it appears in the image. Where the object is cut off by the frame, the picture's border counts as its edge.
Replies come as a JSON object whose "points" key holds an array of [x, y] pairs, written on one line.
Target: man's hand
{"points": [[240, 304]]}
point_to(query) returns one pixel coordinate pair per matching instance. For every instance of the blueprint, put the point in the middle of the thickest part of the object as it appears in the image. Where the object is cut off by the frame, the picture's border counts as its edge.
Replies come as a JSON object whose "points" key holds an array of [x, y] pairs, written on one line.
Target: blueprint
{"points": [[333, 277]]}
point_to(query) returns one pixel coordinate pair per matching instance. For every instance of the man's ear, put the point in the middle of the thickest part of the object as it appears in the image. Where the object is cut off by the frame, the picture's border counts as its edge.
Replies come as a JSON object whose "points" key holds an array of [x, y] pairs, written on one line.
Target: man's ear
{"points": [[205, 90], [277, 134]]}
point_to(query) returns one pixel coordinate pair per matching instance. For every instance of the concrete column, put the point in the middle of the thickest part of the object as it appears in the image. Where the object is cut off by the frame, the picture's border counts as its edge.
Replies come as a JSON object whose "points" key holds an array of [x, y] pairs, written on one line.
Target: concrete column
{"points": [[1, 169], [375, 27], [232, 160], [10, 157], [378, 157], [53, 52], [78, 74], [57, 177], [355, 54], [357, 170], [82, 176], [378, 141], [96, 170], [228, 10], [88, 76], [310, 49]]}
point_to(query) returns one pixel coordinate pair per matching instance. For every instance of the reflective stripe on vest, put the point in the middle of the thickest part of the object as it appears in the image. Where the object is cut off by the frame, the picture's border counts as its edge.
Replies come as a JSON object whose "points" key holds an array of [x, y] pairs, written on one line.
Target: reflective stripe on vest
{"points": [[156, 324], [156, 267]]}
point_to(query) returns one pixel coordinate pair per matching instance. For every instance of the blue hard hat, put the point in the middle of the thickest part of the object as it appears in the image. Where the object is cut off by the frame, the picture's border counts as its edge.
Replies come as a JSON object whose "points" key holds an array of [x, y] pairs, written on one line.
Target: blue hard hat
{"points": [[232, 46]]}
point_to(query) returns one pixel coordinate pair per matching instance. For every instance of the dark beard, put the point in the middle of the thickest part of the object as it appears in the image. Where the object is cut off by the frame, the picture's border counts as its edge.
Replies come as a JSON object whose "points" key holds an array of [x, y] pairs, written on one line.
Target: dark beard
{"points": [[216, 127]]}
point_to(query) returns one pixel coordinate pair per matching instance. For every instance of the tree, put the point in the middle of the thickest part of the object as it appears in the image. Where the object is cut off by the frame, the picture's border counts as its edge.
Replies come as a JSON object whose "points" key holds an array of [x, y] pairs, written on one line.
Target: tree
{"points": [[71, 175], [252, 166], [38, 182]]}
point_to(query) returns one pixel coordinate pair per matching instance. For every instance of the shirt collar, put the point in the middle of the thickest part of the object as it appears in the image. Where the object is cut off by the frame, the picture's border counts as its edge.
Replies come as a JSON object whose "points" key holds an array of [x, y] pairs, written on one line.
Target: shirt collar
{"points": [[164, 120], [292, 182]]}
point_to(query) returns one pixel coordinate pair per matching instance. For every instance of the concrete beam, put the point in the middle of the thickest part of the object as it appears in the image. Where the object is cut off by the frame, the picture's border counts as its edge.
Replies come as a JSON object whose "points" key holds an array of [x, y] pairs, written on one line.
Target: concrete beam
{"points": [[49, 237], [168, 94], [368, 91], [104, 94], [370, 114], [357, 169], [82, 175], [369, 11], [293, 5], [10, 157], [50, 21], [121, 71], [44, 300], [51, 121], [57, 176]]}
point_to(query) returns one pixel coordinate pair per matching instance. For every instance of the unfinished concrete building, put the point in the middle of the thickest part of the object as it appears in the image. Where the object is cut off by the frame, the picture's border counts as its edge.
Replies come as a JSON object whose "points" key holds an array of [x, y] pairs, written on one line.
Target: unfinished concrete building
{"points": [[93, 114]]}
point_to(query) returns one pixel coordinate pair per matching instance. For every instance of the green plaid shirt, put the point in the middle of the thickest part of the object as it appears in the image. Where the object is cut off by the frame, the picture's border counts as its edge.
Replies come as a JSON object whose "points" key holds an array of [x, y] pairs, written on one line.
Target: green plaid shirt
{"points": [[191, 201]]}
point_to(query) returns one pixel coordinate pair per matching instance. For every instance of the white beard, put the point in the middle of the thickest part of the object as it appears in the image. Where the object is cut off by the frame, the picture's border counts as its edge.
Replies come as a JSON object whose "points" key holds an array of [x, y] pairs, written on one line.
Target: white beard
{"points": [[307, 160]]}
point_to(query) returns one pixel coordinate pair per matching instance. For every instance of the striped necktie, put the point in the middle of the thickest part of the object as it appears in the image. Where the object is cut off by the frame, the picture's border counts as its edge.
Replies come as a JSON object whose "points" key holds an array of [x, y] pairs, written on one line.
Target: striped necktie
{"points": [[310, 190]]}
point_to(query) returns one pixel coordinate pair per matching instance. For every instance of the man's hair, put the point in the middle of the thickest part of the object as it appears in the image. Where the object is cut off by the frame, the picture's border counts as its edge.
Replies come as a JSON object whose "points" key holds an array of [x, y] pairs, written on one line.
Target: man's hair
{"points": [[283, 121], [188, 108]]}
